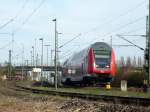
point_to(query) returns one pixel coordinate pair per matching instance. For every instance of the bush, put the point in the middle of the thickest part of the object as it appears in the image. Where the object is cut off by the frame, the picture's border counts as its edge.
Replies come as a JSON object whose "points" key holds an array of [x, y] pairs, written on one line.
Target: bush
{"points": [[134, 78]]}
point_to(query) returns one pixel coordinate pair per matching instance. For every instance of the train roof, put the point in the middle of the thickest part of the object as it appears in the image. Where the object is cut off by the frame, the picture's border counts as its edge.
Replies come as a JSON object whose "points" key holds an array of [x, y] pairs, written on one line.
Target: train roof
{"points": [[101, 45], [96, 46]]}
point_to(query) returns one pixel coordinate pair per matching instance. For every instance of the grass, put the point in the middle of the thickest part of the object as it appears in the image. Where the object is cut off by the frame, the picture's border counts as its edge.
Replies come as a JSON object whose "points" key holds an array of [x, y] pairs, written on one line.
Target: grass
{"points": [[101, 91], [95, 91]]}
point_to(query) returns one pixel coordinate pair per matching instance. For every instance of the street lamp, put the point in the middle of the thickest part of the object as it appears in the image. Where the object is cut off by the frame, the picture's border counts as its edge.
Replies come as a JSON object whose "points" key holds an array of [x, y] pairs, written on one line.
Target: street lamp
{"points": [[41, 59], [56, 47], [47, 52], [42, 52]]}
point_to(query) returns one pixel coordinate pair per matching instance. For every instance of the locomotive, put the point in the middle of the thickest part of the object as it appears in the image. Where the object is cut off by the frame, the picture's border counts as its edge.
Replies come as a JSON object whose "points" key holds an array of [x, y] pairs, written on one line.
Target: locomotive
{"points": [[93, 65]]}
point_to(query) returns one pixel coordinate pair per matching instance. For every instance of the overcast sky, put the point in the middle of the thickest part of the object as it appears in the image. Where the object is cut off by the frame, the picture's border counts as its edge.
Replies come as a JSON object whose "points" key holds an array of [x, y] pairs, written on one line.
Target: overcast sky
{"points": [[95, 20]]}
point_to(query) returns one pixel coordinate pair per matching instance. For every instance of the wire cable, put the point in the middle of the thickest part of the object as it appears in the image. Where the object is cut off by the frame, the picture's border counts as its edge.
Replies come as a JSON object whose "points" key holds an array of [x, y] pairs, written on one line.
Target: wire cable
{"points": [[113, 20], [130, 42], [133, 31], [70, 41], [116, 18], [5, 24], [13, 18], [29, 16], [119, 28], [21, 9]]}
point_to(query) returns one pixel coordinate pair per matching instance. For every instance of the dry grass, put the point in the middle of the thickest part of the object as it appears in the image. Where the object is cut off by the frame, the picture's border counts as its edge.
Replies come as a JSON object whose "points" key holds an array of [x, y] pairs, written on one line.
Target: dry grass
{"points": [[32, 103], [17, 101]]}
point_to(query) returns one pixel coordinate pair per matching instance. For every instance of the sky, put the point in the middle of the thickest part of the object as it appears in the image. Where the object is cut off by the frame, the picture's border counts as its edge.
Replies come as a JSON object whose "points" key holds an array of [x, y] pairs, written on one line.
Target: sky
{"points": [[93, 20]]}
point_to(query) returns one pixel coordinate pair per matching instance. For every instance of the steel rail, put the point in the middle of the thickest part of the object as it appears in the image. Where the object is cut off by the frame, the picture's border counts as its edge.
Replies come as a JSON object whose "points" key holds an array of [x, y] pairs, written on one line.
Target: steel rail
{"points": [[138, 101]]}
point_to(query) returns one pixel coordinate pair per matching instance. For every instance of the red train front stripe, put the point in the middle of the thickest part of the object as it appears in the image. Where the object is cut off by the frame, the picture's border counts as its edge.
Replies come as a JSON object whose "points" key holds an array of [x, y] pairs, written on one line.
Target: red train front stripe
{"points": [[90, 61]]}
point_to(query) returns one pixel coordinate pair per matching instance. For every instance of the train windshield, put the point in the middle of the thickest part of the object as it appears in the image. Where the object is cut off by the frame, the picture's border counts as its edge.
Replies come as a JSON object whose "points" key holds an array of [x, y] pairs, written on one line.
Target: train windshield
{"points": [[102, 60]]}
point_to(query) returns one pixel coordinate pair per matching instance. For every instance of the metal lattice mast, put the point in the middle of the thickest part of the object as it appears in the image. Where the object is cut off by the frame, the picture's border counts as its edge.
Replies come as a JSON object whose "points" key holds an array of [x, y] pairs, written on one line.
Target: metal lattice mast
{"points": [[147, 50], [149, 43]]}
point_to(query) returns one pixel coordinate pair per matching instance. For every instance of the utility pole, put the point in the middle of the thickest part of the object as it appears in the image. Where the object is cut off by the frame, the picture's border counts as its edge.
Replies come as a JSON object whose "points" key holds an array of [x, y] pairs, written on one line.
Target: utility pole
{"points": [[22, 61], [55, 59], [149, 41], [147, 50], [41, 59], [37, 59], [26, 62], [9, 65], [47, 53], [51, 57], [12, 46], [26, 71], [42, 52], [33, 54]]}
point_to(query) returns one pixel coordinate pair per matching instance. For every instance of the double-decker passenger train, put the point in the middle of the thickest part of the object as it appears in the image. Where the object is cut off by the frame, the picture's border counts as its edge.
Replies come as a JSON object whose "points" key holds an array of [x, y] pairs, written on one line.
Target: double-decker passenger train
{"points": [[93, 65]]}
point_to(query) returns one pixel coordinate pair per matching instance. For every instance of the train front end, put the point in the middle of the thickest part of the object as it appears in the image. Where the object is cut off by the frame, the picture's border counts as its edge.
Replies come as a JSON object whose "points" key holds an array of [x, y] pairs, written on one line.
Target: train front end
{"points": [[101, 62]]}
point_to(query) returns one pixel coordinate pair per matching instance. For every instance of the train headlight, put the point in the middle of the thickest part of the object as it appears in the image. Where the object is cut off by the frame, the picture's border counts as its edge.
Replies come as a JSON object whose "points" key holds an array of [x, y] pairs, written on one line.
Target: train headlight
{"points": [[94, 65], [107, 66], [97, 66]]}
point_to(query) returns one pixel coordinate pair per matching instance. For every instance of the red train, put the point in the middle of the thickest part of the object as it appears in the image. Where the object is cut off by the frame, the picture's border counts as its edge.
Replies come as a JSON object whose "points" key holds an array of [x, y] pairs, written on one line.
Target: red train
{"points": [[93, 65]]}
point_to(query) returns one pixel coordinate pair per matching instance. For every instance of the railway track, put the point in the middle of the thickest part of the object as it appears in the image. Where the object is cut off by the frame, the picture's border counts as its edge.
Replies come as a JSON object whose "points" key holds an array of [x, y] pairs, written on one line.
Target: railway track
{"points": [[104, 98]]}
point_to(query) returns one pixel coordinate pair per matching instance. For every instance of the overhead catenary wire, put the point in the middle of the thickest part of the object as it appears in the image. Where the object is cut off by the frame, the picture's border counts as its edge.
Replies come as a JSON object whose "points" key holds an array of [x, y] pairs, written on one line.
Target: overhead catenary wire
{"points": [[119, 28], [113, 20], [29, 16], [70, 41], [5, 24], [26, 20], [21, 9], [11, 21], [133, 31], [117, 17], [130, 23], [13, 18], [130, 42]]}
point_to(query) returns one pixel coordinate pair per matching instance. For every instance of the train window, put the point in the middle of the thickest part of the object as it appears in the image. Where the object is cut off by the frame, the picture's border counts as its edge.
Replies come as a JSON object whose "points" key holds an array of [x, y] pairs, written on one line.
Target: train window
{"points": [[102, 56], [102, 62], [82, 68]]}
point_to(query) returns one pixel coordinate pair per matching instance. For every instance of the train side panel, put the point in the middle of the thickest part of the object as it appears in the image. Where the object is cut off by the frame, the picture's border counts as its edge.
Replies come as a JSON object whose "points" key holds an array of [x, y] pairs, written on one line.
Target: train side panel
{"points": [[75, 68], [113, 64]]}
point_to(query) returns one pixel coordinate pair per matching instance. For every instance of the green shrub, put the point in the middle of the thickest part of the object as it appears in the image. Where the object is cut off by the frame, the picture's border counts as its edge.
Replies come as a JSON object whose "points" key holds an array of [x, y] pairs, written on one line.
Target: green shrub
{"points": [[134, 78]]}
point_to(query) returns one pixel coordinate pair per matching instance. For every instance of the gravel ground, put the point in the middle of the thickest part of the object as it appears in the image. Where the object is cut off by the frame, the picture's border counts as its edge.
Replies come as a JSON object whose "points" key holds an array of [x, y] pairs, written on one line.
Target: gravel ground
{"points": [[17, 101], [77, 105]]}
